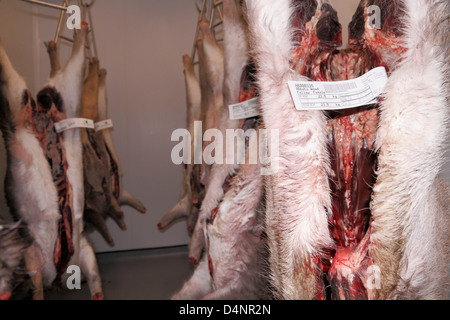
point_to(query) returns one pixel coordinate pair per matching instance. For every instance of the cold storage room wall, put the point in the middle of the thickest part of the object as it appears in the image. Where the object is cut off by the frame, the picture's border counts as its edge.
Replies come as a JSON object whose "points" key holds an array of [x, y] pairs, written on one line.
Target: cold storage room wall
{"points": [[141, 44]]}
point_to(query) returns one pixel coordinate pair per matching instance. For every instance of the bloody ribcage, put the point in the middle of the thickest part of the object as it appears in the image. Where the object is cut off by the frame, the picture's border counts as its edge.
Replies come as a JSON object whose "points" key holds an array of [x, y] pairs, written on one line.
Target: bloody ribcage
{"points": [[44, 114], [351, 143]]}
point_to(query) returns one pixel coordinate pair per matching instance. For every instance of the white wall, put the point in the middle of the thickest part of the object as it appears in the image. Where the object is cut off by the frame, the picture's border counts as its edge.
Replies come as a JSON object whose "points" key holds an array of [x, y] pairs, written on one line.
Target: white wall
{"points": [[140, 43], [346, 9]]}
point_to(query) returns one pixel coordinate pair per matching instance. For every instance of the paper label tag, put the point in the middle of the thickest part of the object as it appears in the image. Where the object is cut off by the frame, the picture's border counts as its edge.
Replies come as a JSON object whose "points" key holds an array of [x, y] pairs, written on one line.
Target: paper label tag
{"points": [[336, 95], [244, 110], [73, 123], [102, 125]]}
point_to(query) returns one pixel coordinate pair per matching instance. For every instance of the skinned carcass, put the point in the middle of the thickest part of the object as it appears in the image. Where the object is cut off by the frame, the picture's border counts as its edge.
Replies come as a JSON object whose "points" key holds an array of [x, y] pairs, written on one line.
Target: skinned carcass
{"points": [[204, 104], [231, 216], [45, 168], [356, 209], [99, 199], [235, 60], [102, 170], [211, 73], [211, 69], [120, 194], [185, 205]]}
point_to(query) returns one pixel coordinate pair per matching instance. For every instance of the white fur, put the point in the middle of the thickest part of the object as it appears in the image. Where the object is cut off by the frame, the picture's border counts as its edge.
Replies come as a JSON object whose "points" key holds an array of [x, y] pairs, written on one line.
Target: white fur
{"points": [[41, 211], [198, 286], [15, 84], [298, 195], [33, 191], [30, 175], [235, 49], [410, 238], [234, 244], [184, 208]]}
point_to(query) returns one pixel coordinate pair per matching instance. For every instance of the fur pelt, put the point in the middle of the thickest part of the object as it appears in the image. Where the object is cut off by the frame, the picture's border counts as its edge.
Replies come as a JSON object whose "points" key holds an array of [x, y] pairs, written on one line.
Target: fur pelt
{"points": [[410, 207], [232, 266], [235, 49], [298, 195]]}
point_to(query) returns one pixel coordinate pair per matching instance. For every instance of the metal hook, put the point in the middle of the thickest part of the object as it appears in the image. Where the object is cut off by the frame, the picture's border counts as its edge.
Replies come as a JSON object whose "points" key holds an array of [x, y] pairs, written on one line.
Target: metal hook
{"points": [[208, 10], [85, 11]]}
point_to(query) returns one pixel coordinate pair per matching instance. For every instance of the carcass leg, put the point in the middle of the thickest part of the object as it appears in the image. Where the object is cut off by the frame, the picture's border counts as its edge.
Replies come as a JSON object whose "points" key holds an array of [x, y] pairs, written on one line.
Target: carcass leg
{"points": [[197, 240], [198, 286], [99, 223], [89, 268], [127, 199], [34, 268], [180, 210], [54, 59]]}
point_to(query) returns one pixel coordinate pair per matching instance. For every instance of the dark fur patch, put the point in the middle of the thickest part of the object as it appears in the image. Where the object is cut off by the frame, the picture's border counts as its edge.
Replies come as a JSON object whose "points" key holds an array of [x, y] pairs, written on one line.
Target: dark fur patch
{"points": [[391, 12], [356, 26], [49, 96], [248, 78], [304, 11], [6, 123], [328, 27], [12, 264]]}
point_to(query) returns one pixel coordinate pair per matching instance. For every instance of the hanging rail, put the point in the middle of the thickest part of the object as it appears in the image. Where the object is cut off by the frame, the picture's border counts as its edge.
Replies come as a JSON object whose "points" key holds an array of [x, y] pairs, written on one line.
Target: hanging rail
{"points": [[210, 9], [55, 6], [46, 4], [85, 8]]}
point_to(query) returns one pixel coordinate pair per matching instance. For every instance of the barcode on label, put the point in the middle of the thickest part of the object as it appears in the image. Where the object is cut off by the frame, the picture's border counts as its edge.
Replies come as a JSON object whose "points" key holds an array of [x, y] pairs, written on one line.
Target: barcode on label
{"points": [[73, 123], [244, 110], [102, 125], [339, 87]]}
